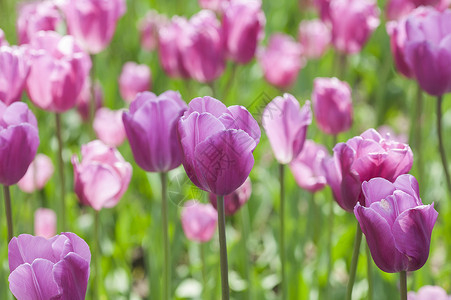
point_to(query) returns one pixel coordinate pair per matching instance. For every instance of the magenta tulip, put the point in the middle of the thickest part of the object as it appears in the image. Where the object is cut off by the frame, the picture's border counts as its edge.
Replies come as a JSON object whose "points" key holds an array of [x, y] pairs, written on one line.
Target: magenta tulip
{"points": [[281, 61], [149, 28], [429, 292], [102, 177], [217, 144], [3, 41], [332, 105], [14, 70], [134, 79], [20, 140], [393, 213], [56, 268], [58, 71], [243, 23], [84, 99], [38, 174], [199, 221], [314, 37], [234, 201], [151, 128], [93, 22], [362, 158], [286, 123], [109, 127], [44, 222]]}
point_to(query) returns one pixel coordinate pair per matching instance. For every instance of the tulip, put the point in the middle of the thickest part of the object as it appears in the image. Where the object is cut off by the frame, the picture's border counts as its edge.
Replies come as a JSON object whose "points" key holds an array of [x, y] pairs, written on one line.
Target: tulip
{"points": [[44, 222], [215, 5], [102, 177], [234, 201], [323, 7], [286, 123], [243, 23], [394, 213], [429, 292], [3, 41], [133, 80], [93, 22], [149, 28], [314, 37], [199, 221], [332, 105], [108, 126], [84, 99], [56, 268], [14, 69], [281, 61], [37, 175]]}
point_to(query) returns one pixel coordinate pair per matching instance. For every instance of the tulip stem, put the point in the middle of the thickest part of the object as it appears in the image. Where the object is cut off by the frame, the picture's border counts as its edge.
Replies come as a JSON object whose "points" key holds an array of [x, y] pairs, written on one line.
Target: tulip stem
{"points": [[418, 133], [230, 82], [204, 266], [223, 249], [440, 142], [164, 214], [62, 216], [403, 285], [355, 260], [369, 271], [92, 100], [96, 254], [9, 215], [282, 228]]}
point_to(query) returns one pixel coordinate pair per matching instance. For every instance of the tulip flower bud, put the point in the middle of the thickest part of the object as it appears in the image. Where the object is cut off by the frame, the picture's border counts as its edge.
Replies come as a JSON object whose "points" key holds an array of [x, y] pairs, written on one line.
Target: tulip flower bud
{"points": [[45, 222], [199, 221]]}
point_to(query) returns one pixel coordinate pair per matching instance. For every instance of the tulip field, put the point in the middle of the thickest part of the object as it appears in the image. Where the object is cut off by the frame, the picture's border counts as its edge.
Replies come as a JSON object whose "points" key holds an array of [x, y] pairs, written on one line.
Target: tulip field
{"points": [[225, 149]]}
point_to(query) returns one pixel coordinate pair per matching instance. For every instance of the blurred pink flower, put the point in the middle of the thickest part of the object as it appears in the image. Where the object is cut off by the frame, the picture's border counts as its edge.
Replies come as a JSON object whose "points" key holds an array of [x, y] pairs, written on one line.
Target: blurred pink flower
{"points": [[44, 223], [134, 79], [84, 99], [215, 5], [314, 37], [429, 292], [3, 41], [199, 221], [389, 134], [234, 201], [149, 28], [14, 70], [38, 174], [397, 9], [109, 127]]}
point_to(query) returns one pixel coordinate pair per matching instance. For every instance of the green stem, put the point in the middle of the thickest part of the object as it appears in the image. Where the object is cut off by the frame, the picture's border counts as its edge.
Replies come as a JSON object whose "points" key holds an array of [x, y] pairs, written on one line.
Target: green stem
{"points": [[369, 269], [223, 249], [229, 83], [92, 100], [440, 142], [97, 276], [62, 215], [245, 237], [164, 214], [282, 228], [355, 260], [204, 267], [9, 215], [403, 285], [416, 127]]}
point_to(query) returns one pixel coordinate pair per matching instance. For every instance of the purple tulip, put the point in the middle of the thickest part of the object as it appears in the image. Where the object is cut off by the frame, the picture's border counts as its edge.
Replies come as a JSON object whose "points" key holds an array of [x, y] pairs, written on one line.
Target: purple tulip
{"points": [[362, 158], [45, 223], [38, 174], [134, 79], [93, 22], [199, 221], [217, 144], [429, 292], [149, 28], [243, 23], [20, 140], [314, 37], [56, 268], [14, 69], [286, 123], [151, 128], [84, 99], [102, 177], [332, 105], [234, 201], [281, 61], [108, 126], [308, 169], [396, 224], [3, 41], [58, 71]]}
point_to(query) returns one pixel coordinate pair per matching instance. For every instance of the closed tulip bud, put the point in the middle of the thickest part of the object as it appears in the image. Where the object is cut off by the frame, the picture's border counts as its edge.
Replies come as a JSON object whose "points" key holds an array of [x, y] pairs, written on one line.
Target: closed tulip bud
{"points": [[332, 105], [102, 176], [217, 144], [55, 268], [243, 23], [133, 80], [396, 224], [14, 70], [199, 221], [3, 41], [151, 128], [314, 37], [214, 5], [44, 222], [362, 158], [38, 174], [61, 60], [429, 292], [281, 61], [20, 140], [149, 28], [285, 124], [92, 22], [84, 99], [108, 126], [234, 201]]}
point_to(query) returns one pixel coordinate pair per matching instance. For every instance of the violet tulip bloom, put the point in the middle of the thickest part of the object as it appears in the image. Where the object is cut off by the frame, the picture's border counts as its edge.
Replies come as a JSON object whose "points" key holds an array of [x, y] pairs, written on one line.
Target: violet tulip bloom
{"points": [[108, 126], [332, 105], [281, 61], [396, 224], [243, 23], [149, 28], [234, 201], [151, 128], [14, 70], [308, 169], [102, 177], [3, 41], [20, 140], [362, 158], [429, 292], [58, 71], [56, 268], [38, 174], [44, 222], [84, 99], [286, 123], [217, 144], [199, 221], [314, 37], [134, 79], [92, 22]]}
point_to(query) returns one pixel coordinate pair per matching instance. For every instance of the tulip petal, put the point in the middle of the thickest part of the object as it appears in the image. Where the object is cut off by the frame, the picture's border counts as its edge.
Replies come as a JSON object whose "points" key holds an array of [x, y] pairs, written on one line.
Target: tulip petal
{"points": [[72, 274], [408, 184], [207, 104], [26, 248], [376, 189], [245, 121]]}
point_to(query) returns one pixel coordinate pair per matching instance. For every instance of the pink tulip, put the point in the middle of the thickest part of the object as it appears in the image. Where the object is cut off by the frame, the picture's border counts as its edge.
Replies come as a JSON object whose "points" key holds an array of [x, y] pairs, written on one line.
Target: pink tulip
{"points": [[133, 80], [84, 99], [323, 7], [109, 127], [199, 221], [234, 201], [149, 28], [14, 70], [102, 177], [3, 41], [281, 61], [215, 5], [314, 37], [429, 292], [38, 174], [398, 9], [45, 223]]}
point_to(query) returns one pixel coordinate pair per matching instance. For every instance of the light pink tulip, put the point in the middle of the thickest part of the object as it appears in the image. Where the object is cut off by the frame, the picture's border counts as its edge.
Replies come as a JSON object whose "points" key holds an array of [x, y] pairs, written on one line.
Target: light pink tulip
{"points": [[3, 41], [38, 174], [84, 99], [109, 127], [14, 70], [199, 221], [429, 292], [149, 28], [133, 80], [44, 223], [314, 37]]}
